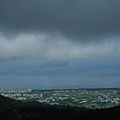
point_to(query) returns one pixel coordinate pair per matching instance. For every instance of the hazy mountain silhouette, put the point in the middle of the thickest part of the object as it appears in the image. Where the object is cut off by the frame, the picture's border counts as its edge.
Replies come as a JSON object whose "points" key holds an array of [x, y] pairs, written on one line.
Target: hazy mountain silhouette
{"points": [[57, 64]]}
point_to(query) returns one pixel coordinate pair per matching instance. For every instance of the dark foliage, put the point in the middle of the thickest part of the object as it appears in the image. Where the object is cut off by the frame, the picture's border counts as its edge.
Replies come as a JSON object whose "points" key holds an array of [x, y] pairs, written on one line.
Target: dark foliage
{"points": [[16, 110]]}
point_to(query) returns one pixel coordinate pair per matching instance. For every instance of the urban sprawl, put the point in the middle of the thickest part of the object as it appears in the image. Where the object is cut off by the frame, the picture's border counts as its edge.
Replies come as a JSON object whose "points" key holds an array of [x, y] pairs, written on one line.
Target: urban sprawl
{"points": [[88, 98]]}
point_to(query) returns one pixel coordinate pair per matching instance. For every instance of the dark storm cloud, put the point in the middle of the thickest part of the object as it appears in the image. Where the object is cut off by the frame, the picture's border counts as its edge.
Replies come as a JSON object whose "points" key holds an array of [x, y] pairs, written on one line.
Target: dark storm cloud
{"points": [[73, 18], [59, 29]]}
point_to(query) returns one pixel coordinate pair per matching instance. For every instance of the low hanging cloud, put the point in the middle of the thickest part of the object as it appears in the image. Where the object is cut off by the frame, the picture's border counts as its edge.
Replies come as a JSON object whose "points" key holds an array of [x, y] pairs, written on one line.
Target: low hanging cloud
{"points": [[37, 46]]}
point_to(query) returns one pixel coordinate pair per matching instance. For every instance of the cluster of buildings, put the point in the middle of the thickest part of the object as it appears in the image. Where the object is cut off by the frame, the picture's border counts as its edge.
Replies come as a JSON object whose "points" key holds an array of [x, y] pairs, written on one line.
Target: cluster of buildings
{"points": [[112, 97], [94, 98]]}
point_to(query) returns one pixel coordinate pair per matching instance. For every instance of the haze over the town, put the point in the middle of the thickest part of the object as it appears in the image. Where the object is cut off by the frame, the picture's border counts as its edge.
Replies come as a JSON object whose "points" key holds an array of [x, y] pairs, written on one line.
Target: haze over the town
{"points": [[48, 44]]}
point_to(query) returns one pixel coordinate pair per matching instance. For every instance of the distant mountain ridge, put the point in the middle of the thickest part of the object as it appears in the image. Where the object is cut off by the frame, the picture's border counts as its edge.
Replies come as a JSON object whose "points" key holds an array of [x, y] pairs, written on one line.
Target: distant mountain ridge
{"points": [[57, 64]]}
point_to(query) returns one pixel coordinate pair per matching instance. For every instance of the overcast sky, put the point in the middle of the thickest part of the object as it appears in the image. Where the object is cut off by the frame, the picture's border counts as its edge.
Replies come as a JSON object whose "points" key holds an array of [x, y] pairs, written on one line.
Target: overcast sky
{"points": [[59, 29]]}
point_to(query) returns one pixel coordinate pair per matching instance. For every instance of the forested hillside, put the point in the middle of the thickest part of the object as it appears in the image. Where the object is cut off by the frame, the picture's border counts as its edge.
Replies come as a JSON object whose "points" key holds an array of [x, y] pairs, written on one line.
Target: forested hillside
{"points": [[16, 110]]}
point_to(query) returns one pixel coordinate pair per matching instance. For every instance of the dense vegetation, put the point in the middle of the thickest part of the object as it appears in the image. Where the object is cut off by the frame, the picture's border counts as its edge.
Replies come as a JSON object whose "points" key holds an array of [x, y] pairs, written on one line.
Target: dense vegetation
{"points": [[16, 110]]}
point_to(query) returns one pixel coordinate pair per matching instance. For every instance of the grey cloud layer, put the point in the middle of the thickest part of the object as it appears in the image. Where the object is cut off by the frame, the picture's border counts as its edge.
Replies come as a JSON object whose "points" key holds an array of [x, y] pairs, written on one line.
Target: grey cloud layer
{"points": [[38, 47], [55, 29], [73, 18]]}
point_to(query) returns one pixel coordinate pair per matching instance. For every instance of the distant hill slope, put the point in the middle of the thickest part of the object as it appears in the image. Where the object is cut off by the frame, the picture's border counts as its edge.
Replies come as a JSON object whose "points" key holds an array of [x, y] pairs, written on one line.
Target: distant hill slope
{"points": [[37, 111], [57, 64]]}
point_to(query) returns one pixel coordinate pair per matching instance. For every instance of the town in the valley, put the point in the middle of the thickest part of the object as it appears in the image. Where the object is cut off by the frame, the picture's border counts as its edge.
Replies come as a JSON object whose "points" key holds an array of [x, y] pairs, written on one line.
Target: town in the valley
{"points": [[88, 98]]}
